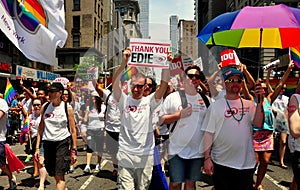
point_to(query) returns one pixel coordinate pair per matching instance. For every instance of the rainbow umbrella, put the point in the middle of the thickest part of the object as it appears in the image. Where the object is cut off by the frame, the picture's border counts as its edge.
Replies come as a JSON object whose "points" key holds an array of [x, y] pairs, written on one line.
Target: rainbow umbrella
{"points": [[264, 27]]}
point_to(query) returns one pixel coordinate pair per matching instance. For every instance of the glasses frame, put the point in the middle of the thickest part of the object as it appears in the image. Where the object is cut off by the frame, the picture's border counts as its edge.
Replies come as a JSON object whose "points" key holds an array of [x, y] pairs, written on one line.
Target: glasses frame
{"points": [[231, 81], [138, 86], [191, 76]]}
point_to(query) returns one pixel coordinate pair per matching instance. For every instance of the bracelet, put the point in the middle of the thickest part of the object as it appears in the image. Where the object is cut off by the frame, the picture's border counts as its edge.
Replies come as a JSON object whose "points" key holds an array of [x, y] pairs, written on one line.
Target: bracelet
{"points": [[207, 158], [74, 152], [37, 149]]}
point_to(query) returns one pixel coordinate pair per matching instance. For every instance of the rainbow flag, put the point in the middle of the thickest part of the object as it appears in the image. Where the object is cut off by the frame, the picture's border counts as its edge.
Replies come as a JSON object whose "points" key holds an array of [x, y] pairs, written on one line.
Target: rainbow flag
{"points": [[25, 131], [9, 93], [294, 53], [126, 75]]}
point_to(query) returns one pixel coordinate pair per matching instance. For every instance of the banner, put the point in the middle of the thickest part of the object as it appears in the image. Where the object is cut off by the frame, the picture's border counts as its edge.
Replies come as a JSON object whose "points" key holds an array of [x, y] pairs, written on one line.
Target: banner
{"points": [[147, 53], [36, 28]]}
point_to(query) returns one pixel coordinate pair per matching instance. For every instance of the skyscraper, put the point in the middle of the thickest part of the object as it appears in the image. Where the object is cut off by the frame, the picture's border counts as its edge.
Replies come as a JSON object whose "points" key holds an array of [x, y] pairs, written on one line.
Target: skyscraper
{"points": [[174, 34], [144, 17]]}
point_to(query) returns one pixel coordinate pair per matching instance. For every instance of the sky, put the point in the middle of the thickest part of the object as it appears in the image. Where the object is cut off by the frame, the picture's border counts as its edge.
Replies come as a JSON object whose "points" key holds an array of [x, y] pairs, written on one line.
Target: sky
{"points": [[160, 12]]}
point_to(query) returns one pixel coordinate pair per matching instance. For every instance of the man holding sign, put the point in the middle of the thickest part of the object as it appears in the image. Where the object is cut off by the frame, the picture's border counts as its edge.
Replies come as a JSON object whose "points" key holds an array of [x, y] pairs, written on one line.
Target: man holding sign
{"points": [[136, 140]]}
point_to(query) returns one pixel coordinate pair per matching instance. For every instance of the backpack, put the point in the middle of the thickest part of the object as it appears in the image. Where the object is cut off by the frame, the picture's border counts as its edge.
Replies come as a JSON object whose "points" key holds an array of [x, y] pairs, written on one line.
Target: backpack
{"points": [[184, 104], [66, 110]]}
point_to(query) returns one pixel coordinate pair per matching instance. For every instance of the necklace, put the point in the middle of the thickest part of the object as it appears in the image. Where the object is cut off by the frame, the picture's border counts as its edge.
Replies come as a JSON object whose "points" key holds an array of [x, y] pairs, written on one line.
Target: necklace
{"points": [[238, 120]]}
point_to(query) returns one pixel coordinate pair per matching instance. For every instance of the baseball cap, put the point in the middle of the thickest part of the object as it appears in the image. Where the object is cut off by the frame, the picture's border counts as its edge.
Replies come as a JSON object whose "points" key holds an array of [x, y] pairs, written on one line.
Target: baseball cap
{"points": [[55, 87], [230, 71]]}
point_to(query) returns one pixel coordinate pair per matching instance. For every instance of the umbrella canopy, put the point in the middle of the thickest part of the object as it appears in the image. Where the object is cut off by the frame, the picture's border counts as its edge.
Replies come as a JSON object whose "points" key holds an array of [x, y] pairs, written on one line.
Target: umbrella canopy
{"points": [[266, 27]]}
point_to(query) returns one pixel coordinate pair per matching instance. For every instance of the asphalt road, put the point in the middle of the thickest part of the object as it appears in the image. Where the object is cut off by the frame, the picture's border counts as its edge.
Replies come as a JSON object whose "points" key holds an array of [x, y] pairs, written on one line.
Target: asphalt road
{"points": [[276, 178]]}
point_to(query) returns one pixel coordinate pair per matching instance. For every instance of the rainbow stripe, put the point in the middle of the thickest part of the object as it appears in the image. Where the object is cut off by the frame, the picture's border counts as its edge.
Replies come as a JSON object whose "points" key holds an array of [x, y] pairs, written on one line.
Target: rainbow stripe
{"points": [[9, 93], [9, 6], [24, 131], [31, 14], [126, 75], [295, 55]]}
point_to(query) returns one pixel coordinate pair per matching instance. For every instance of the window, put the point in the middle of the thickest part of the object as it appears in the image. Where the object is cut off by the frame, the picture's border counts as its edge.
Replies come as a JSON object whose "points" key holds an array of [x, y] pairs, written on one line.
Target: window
{"points": [[76, 5], [76, 40], [76, 22]]}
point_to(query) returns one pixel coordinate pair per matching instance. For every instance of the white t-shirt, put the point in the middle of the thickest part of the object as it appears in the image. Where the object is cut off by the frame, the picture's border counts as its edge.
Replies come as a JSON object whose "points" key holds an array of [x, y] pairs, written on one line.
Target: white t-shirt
{"points": [[55, 121], [232, 140], [34, 123], [3, 120], [280, 105], [186, 139], [136, 133], [95, 119], [297, 141], [113, 115]]}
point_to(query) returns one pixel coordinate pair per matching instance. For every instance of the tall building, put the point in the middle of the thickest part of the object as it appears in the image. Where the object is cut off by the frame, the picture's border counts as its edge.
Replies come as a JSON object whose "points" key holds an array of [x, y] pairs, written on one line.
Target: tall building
{"points": [[129, 10], [144, 18], [187, 43], [174, 34], [85, 27]]}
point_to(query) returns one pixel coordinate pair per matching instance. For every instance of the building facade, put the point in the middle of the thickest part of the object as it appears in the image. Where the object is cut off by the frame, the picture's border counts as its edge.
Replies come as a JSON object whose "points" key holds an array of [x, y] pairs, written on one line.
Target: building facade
{"points": [[187, 43], [174, 35], [144, 18]]}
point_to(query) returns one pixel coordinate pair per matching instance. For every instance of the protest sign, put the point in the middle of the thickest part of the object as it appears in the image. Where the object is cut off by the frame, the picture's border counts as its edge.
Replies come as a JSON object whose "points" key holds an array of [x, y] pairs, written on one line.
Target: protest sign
{"points": [[229, 58], [92, 73], [63, 80], [147, 53]]}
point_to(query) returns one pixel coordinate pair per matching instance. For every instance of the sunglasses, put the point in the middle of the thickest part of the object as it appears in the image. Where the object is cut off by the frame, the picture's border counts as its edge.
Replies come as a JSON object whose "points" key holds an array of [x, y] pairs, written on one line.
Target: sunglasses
{"points": [[150, 85], [234, 81], [65, 94], [36, 105], [191, 76], [138, 86]]}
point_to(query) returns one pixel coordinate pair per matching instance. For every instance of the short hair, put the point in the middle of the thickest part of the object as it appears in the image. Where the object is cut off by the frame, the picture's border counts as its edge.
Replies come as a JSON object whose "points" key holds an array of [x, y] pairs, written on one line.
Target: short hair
{"points": [[202, 76], [154, 84], [138, 76]]}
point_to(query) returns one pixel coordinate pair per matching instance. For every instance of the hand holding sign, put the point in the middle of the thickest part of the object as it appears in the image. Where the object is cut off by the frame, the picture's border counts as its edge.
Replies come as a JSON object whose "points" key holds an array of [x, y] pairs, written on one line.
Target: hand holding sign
{"points": [[148, 53], [229, 58]]}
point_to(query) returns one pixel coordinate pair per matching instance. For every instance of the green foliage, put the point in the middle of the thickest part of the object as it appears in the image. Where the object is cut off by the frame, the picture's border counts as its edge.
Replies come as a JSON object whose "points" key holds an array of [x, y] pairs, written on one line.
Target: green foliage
{"points": [[87, 62]]}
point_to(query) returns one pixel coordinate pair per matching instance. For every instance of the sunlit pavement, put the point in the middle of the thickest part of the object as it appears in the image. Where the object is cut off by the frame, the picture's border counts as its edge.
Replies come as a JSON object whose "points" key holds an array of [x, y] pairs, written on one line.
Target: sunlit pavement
{"points": [[276, 178]]}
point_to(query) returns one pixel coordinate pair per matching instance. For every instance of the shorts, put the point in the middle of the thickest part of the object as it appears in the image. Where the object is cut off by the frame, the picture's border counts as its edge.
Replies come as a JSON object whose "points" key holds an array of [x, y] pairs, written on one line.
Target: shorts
{"points": [[82, 128], [134, 178], [231, 178], [57, 156], [182, 170], [30, 147], [263, 140], [2, 154], [296, 167], [112, 142], [95, 140]]}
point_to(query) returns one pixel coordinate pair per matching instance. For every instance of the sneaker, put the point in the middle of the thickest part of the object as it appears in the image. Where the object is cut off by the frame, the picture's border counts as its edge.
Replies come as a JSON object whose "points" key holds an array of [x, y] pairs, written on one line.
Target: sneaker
{"points": [[71, 169], [87, 170], [28, 158], [98, 168], [12, 183]]}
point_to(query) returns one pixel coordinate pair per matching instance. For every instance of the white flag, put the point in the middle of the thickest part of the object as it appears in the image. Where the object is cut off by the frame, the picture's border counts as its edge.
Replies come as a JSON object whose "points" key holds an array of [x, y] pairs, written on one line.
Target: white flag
{"points": [[36, 28]]}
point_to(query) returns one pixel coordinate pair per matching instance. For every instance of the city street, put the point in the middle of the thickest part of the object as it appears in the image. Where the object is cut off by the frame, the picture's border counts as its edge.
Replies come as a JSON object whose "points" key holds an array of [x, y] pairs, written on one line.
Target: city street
{"points": [[276, 178]]}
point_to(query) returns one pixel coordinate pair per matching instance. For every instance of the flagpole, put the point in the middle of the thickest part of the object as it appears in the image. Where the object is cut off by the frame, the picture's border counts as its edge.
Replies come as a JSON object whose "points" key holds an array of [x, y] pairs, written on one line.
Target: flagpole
{"points": [[259, 51]]}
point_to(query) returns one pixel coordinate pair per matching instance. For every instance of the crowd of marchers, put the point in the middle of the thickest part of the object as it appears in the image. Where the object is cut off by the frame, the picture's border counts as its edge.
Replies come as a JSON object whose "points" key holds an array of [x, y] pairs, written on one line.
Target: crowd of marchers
{"points": [[223, 126]]}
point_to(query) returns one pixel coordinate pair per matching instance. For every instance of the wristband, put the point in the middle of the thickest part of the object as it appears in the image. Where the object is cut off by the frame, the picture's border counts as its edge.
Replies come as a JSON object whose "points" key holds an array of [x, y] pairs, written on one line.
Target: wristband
{"points": [[37, 149], [207, 158]]}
